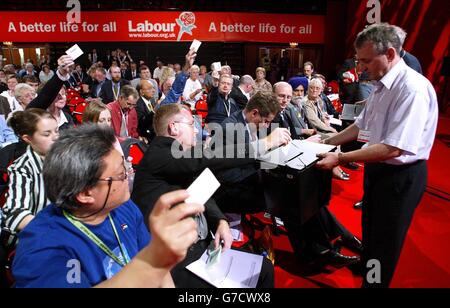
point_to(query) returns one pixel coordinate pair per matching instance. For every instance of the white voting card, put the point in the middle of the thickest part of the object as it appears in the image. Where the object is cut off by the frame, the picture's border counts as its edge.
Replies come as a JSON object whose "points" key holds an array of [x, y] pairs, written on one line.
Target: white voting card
{"points": [[203, 188], [217, 66], [236, 269], [75, 52], [195, 45], [335, 121]]}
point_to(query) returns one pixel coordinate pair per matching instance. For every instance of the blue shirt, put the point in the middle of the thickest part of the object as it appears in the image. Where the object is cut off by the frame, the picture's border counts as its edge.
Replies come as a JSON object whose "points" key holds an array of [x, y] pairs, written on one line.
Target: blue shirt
{"points": [[54, 253], [6, 133]]}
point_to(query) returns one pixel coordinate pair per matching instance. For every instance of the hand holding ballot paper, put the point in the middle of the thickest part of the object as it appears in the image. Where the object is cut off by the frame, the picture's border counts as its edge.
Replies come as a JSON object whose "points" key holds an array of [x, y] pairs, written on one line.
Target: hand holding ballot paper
{"points": [[195, 45], [298, 154], [66, 62]]}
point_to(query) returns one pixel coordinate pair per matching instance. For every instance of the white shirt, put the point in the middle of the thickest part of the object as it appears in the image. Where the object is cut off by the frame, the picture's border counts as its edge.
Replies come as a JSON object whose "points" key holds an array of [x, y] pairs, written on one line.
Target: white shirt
{"points": [[13, 103], [402, 112], [190, 87], [62, 119], [157, 73]]}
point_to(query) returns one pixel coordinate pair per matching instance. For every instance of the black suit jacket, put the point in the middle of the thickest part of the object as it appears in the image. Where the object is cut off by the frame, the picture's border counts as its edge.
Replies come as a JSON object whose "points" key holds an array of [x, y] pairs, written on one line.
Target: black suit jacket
{"points": [[129, 75], [145, 120], [234, 133], [293, 122], [160, 172], [239, 97], [106, 92]]}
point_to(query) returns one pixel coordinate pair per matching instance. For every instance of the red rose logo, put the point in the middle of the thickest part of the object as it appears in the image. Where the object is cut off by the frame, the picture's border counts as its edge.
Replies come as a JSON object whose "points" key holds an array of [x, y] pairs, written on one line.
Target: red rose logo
{"points": [[188, 18]]}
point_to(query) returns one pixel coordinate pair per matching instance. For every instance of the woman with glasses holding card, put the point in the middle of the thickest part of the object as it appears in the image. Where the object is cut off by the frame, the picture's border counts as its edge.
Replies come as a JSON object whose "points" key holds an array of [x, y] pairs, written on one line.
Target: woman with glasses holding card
{"points": [[91, 234]]}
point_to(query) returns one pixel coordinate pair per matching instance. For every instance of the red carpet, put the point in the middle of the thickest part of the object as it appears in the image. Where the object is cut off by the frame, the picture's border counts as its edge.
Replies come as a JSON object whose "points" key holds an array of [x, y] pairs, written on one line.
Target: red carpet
{"points": [[425, 260]]}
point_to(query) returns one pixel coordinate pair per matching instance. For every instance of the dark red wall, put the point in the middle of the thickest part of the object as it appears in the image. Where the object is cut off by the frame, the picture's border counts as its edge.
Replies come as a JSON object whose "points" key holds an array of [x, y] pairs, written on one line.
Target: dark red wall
{"points": [[426, 21]]}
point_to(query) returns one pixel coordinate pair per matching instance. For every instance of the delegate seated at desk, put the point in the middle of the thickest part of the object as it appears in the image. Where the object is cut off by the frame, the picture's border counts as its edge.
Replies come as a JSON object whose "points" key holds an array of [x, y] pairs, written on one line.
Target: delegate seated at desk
{"points": [[160, 172]]}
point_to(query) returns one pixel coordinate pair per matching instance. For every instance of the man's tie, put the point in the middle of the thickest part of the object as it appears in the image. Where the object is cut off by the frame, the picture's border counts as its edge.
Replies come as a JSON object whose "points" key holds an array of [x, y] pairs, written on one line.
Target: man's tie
{"points": [[116, 91]]}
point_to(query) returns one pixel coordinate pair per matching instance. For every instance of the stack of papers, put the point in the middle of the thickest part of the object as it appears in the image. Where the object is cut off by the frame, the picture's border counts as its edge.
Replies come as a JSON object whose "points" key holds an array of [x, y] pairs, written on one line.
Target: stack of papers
{"points": [[236, 269], [299, 154]]}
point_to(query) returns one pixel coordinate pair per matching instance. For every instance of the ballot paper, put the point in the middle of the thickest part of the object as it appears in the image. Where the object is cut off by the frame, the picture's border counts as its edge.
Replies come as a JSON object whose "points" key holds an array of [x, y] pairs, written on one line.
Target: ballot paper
{"points": [[203, 188], [335, 121], [74, 52], [236, 269], [195, 45], [298, 154], [213, 255], [217, 66], [237, 233]]}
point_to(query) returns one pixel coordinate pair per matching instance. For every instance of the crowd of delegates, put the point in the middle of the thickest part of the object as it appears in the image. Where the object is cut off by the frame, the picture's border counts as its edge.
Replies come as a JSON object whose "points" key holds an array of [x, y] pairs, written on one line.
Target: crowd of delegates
{"points": [[73, 188]]}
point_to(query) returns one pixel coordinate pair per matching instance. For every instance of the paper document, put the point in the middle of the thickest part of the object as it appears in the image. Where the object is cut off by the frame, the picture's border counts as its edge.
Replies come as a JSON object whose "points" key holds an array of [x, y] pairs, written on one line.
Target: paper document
{"points": [[335, 121], [203, 188], [237, 234], [236, 269], [74, 52], [299, 154], [195, 45], [217, 66]]}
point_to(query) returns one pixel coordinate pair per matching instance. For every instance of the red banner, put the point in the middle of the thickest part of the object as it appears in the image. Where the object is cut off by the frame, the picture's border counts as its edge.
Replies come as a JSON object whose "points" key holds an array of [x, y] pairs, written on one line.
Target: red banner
{"points": [[161, 26]]}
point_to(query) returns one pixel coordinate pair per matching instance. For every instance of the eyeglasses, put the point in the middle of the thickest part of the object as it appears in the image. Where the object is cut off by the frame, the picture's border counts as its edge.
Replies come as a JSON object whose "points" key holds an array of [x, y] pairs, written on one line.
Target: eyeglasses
{"points": [[119, 178], [190, 124]]}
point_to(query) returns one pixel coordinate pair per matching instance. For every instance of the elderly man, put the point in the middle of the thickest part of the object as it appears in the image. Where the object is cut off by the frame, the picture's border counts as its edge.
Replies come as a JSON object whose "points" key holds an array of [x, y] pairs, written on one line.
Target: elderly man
{"points": [[289, 117], [92, 234], [399, 124], [242, 93], [111, 88], [193, 88], [160, 171], [145, 109]]}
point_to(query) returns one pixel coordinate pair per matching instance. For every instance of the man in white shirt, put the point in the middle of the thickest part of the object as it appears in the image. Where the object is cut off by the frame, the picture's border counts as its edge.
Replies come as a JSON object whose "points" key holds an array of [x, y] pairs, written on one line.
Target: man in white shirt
{"points": [[193, 88], [158, 70], [399, 126]]}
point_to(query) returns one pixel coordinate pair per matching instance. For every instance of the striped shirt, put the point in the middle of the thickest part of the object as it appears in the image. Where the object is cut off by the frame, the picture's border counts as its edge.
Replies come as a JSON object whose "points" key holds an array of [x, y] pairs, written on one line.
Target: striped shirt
{"points": [[26, 193]]}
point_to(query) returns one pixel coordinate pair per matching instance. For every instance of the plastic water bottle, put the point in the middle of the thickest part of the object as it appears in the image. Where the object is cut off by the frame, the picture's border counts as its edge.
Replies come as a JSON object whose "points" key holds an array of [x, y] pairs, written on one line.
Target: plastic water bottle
{"points": [[130, 172]]}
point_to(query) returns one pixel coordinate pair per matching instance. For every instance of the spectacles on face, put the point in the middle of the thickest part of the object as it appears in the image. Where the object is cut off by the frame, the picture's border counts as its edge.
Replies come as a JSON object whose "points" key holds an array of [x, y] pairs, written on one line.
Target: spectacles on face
{"points": [[315, 89], [119, 178], [190, 124]]}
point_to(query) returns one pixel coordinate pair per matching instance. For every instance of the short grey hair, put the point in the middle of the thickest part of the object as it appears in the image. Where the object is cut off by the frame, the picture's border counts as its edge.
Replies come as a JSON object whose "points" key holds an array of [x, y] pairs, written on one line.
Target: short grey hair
{"points": [[194, 68], [247, 80], [127, 91], [281, 84], [20, 90], [316, 82], [76, 162], [383, 36]]}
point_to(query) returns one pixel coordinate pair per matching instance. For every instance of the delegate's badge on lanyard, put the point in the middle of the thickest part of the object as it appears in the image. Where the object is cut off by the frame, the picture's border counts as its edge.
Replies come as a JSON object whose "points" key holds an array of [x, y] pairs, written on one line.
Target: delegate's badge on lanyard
{"points": [[364, 136]]}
